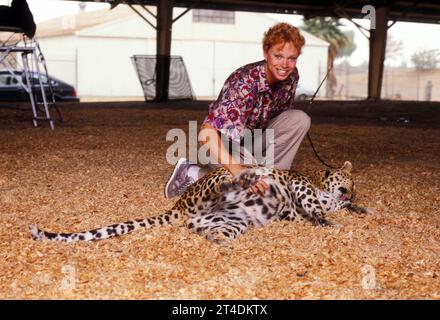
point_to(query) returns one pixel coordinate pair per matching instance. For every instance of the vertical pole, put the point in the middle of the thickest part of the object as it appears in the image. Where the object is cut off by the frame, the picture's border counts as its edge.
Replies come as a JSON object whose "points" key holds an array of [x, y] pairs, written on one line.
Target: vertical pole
{"points": [[392, 82], [319, 75], [378, 40], [163, 48], [43, 90], [418, 84], [347, 80], [27, 72], [76, 71], [213, 68]]}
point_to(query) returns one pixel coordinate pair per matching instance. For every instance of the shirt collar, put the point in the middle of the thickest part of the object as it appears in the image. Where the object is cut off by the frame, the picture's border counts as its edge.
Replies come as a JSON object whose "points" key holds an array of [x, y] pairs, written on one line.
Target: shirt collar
{"points": [[263, 85]]}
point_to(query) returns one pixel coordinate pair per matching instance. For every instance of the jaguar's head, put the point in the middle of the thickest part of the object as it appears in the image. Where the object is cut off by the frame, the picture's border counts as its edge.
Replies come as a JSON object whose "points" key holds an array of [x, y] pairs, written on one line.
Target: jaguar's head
{"points": [[339, 182]]}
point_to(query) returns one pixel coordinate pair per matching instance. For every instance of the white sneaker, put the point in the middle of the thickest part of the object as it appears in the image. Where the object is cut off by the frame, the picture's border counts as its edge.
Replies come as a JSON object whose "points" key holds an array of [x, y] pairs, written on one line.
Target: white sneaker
{"points": [[179, 180]]}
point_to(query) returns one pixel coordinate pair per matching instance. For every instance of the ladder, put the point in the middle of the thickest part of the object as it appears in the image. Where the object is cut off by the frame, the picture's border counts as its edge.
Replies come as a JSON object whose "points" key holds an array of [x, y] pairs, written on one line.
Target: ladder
{"points": [[31, 74]]}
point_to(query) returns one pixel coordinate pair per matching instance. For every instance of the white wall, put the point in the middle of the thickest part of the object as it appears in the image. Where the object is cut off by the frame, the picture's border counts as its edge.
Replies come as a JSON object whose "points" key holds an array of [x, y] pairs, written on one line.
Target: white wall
{"points": [[209, 63], [227, 60], [221, 49], [105, 66], [197, 56], [312, 65], [98, 60], [60, 55]]}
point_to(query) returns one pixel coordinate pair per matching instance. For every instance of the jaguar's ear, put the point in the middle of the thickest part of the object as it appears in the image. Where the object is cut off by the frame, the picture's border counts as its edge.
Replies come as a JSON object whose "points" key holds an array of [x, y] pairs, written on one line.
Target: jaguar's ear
{"points": [[347, 167]]}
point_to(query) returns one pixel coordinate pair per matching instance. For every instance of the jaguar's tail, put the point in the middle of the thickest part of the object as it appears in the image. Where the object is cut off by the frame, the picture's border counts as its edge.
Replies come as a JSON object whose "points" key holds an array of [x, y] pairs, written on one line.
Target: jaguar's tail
{"points": [[171, 217]]}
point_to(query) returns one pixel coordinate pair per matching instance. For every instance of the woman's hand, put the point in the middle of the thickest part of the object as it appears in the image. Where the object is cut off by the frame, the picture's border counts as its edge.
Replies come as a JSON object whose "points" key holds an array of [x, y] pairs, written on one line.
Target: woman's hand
{"points": [[259, 187], [210, 136]]}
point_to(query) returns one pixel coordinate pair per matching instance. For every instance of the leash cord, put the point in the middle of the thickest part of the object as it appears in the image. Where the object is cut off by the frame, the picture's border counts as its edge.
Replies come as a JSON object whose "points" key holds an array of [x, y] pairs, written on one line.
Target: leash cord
{"points": [[308, 135], [316, 153]]}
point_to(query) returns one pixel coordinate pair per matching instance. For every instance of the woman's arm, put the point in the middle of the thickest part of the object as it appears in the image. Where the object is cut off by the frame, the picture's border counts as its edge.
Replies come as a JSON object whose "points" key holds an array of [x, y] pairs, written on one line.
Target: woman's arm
{"points": [[210, 137]]}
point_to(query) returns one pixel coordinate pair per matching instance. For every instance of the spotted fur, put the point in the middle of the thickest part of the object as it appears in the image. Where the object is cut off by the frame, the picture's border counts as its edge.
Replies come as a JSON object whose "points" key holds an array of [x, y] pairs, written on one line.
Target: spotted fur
{"points": [[219, 207]]}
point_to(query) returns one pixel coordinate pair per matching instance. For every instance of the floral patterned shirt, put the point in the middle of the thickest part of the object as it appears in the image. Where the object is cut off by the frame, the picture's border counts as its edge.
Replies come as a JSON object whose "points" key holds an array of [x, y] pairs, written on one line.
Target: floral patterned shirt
{"points": [[247, 102]]}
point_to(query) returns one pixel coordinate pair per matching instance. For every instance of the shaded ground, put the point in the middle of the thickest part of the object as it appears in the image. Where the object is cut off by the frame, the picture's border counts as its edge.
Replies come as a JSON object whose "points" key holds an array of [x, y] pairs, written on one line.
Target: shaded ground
{"points": [[107, 165]]}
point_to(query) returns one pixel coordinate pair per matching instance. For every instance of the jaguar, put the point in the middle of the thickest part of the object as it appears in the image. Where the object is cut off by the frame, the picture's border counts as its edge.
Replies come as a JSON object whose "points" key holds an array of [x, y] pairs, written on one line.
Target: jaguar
{"points": [[220, 207]]}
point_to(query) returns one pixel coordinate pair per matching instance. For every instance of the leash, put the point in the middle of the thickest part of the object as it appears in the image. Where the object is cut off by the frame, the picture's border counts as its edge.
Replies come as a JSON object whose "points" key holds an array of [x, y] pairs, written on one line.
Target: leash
{"points": [[316, 153], [308, 135]]}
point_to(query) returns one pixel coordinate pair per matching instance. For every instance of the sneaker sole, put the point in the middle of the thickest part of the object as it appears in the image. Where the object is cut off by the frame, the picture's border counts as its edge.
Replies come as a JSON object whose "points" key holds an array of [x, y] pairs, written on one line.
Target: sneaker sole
{"points": [[176, 168]]}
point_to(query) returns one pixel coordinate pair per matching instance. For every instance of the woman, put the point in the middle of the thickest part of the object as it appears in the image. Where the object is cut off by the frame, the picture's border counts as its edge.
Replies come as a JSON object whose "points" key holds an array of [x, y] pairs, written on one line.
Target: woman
{"points": [[259, 95]]}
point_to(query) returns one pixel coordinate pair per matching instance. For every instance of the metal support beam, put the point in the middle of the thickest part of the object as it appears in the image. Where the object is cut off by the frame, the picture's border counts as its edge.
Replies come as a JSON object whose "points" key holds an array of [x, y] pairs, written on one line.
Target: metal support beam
{"points": [[181, 15], [163, 48], [378, 41], [140, 15]]}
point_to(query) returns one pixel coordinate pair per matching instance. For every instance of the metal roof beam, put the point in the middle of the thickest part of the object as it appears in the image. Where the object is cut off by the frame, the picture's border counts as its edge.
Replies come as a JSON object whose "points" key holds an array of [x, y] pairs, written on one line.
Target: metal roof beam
{"points": [[425, 11]]}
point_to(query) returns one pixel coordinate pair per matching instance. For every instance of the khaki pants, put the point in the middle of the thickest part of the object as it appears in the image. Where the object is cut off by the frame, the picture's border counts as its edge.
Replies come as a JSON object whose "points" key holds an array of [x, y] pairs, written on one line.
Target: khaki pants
{"points": [[288, 129]]}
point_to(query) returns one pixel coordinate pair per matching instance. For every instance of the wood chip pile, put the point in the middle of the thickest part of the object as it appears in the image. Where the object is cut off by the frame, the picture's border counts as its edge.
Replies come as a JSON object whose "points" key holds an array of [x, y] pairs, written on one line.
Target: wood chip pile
{"points": [[108, 165]]}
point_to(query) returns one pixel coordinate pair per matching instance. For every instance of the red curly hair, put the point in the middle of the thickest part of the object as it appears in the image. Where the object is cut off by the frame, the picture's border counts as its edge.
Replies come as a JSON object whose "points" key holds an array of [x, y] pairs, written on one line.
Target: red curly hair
{"points": [[281, 33]]}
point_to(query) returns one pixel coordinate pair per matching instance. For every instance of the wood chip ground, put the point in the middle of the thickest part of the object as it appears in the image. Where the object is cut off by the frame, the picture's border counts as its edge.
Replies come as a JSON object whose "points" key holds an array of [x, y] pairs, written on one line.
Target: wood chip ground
{"points": [[107, 165]]}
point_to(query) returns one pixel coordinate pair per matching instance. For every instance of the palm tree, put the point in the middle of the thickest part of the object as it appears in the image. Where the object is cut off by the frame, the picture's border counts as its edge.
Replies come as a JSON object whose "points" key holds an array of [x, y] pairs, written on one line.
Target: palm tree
{"points": [[341, 43]]}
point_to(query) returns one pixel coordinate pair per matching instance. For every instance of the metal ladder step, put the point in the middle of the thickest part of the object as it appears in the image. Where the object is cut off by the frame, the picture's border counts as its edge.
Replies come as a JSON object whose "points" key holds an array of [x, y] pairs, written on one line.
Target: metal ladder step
{"points": [[32, 62]]}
